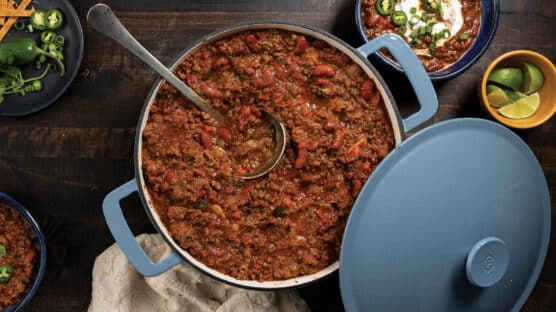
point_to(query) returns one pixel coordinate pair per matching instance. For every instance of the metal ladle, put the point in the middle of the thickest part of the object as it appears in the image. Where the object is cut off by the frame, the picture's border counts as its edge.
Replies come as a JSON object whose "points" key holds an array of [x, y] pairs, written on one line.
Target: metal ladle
{"points": [[101, 18]]}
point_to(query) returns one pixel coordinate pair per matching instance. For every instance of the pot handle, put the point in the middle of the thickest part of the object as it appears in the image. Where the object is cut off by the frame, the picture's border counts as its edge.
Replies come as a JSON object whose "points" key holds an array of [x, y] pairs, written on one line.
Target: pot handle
{"points": [[124, 237], [418, 77]]}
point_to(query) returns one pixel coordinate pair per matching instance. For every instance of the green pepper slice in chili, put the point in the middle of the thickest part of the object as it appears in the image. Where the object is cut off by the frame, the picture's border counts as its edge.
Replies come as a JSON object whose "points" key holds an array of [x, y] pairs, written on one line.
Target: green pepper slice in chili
{"points": [[38, 20], [2, 251], [431, 5], [54, 19], [399, 18], [6, 272], [384, 7]]}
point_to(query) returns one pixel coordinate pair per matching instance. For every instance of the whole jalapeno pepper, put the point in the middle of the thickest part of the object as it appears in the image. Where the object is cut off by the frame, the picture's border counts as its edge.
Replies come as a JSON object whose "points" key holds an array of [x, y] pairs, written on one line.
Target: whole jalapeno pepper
{"points": [[384, 7], [19, 51]]}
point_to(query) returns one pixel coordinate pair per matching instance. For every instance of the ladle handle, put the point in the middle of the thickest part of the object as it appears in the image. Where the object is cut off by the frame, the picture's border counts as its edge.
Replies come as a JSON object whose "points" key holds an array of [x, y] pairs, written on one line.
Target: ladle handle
{"points": [[101, 18]]}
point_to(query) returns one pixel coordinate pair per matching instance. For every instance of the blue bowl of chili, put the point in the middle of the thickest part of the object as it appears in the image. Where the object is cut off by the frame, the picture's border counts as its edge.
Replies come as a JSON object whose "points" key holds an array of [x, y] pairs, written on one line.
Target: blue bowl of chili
{"points": [[40, 248], [489, 15]]}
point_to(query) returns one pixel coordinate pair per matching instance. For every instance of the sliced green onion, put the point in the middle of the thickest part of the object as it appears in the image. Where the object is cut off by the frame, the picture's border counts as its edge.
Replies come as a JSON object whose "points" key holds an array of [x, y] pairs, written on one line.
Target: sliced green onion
{"points": [[425, 17], [402, 30], [432, 47], [59, 40], [464, 36], [418, 42], [428, 29], [413, 35], [414, 20], [422, 30], [445, 33], [413, 10]]}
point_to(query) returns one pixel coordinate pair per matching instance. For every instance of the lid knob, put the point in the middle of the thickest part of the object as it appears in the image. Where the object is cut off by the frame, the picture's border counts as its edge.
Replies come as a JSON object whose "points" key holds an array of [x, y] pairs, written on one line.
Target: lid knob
{"points": [[487, 262]]}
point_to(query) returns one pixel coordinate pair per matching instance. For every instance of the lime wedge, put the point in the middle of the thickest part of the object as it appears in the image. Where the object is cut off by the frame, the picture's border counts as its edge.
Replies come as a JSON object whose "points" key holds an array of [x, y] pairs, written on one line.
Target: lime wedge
{"points": [[514, 95], [507, 77], [521, 108], [497, 97], [533, 79], [491, 88]]}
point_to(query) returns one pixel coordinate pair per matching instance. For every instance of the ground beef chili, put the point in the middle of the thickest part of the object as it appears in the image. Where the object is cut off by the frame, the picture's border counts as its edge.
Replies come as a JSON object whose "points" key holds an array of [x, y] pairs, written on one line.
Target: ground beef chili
{"points": [[18, 252], [433, 58], [290, 222]]}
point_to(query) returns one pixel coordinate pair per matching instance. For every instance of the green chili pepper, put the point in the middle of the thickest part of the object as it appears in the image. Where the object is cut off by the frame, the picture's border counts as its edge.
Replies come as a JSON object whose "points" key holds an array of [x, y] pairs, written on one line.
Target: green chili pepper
{"points": [[48, 36], [384, 7], [38, 20], [19, 25], [413, 10], [413, 35], [54, 19], [402, 30], [2, 251], [399, 18], [6, 272], [432, 5], [422, 30], [464, 36], [19, 51]]}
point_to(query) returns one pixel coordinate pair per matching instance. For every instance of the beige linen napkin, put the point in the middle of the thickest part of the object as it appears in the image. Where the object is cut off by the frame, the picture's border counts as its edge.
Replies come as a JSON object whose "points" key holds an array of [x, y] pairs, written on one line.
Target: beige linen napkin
{"points": [[118, 287]]}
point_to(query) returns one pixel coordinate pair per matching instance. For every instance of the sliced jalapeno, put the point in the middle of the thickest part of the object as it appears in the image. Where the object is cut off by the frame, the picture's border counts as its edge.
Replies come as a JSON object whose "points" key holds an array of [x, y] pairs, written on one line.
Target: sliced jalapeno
{"points": [[399, 18], [48, 36], [54, 19], [384, 7], [431, 5], [6, 272], [38, 20]]}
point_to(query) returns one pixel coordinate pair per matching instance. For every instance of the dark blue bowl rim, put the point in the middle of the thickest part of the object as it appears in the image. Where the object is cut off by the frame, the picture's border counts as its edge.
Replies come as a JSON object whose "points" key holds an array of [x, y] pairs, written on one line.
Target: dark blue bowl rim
{"points": [[490, 12], [40, 269]]}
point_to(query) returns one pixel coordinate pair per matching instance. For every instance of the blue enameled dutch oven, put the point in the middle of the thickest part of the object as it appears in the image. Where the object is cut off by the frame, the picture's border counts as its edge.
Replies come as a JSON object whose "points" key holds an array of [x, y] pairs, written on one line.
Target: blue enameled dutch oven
{"points": [[490, 13], [113, 213], [40, 245], [455, 218]]}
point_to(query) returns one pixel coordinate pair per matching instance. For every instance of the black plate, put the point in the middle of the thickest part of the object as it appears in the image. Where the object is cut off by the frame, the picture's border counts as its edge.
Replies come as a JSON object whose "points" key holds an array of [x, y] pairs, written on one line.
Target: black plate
{"points": [[53, 85]]}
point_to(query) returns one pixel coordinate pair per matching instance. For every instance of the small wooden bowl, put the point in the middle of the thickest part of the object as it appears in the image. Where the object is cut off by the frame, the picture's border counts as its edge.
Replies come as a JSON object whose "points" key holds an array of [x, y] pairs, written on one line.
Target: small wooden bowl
{"points": [[547, 93]]}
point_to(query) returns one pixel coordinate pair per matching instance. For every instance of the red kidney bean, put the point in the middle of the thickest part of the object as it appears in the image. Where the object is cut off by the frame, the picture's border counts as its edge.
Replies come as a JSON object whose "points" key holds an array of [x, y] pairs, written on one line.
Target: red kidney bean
{"points": [[300, 45], [372, 20], [220, 63], [253, 43], [225, 134], [205, 139], [367, 88], [324, 70], [211, 92], [322, 82]]}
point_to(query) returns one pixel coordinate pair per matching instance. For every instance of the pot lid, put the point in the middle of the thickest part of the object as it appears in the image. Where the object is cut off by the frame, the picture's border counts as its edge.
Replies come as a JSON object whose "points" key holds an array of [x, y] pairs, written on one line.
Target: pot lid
{"points": [[457, 218]]}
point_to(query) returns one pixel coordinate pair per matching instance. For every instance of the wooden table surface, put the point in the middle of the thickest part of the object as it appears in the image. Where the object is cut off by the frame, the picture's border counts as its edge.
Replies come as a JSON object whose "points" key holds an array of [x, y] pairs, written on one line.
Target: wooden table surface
{"points": [[61, 162]]}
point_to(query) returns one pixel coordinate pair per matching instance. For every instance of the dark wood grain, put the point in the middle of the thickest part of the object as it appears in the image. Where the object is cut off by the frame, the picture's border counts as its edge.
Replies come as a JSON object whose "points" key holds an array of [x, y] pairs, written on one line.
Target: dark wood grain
{"points": [[62, 162]]}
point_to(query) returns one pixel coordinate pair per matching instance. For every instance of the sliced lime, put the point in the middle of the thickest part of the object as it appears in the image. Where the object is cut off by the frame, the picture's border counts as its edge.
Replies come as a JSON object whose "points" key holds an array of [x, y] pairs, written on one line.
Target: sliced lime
{"points": [[533, 79], [507, 77], [514, 95], [522, 108], [497, 97]]}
